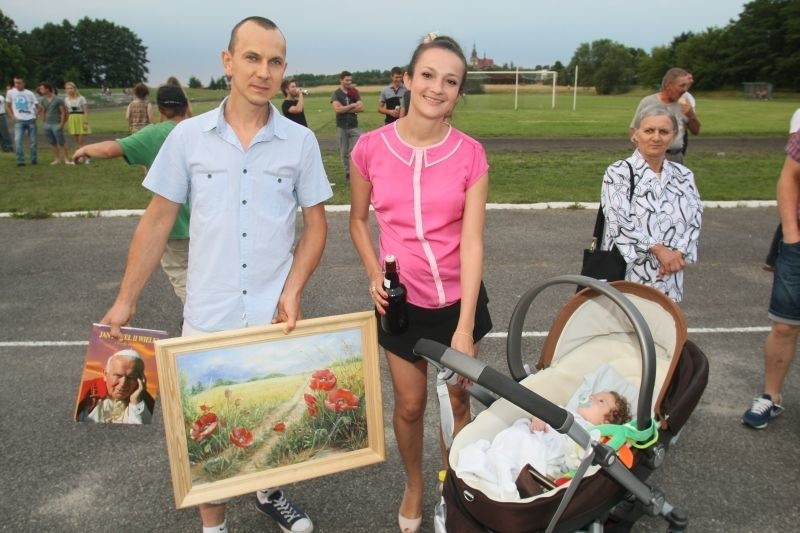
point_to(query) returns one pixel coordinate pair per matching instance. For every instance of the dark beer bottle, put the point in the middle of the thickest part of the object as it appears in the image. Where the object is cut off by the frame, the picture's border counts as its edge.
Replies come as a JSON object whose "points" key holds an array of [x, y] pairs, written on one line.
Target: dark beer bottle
{"points": [[395, 321]]}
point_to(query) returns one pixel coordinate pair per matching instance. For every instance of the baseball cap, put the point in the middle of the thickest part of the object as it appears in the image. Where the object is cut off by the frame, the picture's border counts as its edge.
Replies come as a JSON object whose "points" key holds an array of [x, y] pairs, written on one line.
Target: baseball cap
{"points": [[170, 96]]}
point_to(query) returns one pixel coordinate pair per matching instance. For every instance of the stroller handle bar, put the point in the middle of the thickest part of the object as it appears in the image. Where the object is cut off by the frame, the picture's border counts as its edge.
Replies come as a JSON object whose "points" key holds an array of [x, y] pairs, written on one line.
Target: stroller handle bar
{"points": [[645, 337], [558, 418]]}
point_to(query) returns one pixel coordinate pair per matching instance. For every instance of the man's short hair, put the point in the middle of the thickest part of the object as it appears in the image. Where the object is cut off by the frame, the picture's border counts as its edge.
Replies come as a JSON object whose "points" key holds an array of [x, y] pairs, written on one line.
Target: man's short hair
{"points": [[672, 75], [285, 85], [263, 22], [344, 74], [396, 71]]}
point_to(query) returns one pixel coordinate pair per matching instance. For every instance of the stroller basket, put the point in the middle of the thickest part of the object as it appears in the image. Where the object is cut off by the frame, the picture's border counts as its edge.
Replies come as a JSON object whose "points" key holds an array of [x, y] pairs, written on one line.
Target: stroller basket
{"points": [[666, 366]]}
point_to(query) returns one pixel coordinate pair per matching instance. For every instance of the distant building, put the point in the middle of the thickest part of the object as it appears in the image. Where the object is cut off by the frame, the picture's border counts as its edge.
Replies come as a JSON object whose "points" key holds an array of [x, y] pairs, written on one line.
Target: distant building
{"points": [[478, 62]]}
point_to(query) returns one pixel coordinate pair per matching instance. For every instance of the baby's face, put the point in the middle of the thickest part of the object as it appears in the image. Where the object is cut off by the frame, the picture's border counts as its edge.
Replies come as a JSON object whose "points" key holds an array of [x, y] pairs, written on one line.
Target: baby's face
{"points": [[598, 407]]}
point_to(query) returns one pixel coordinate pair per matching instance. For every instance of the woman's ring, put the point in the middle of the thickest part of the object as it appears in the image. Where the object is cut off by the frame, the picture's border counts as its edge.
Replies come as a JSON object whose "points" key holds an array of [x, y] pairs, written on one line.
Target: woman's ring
{"points": [[371, 288]]}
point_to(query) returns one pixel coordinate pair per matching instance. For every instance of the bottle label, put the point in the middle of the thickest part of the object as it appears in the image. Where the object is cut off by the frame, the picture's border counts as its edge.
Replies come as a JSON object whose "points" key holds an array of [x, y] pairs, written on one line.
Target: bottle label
{"points": [[387, 284]]}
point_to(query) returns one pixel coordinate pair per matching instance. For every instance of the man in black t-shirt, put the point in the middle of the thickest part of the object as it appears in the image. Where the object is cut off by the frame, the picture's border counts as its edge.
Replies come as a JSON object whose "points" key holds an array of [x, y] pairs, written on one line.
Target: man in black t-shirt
{"points": [[346, 102], [292, 106]]}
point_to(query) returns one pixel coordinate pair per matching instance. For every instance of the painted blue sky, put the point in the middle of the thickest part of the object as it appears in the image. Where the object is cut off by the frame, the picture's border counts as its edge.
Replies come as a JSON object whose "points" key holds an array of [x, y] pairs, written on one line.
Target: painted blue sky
{"points": [[289, 356], [185, 38]]}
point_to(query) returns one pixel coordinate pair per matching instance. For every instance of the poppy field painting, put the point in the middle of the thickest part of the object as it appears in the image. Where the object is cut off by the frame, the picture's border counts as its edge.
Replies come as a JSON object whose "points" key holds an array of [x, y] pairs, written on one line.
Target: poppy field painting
{"points": [[254, 408]]}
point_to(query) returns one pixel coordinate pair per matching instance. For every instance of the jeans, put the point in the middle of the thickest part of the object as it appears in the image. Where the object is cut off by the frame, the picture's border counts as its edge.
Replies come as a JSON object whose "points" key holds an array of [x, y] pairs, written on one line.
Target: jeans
{"points": [[54, 134], [20, 127], [5, 137], [347, 140], [784, 303]]}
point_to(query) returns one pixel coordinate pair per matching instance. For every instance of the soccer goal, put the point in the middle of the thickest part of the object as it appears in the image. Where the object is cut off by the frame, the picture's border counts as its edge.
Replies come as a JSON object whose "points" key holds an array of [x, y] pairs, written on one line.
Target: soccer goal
{"points": [[519, 82]]}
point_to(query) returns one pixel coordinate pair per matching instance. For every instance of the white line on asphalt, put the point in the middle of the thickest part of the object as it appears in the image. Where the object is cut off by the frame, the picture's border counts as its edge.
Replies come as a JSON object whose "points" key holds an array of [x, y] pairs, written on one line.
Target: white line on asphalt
{"points": [[345, 207], [495, 335], [750, 329]]}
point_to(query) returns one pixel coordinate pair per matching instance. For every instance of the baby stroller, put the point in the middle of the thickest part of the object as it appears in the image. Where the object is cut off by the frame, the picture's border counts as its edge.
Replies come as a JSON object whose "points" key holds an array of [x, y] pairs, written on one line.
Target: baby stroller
{"points": [[632, 329]]}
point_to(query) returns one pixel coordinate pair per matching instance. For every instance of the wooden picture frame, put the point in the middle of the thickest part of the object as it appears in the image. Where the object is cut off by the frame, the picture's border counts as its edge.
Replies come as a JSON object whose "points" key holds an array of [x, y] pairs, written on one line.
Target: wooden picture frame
{"points": [[256, 408]]}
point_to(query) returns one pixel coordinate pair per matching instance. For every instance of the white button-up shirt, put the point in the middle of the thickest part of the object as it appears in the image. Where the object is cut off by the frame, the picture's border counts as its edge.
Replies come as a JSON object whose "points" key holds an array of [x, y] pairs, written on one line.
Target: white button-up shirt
{"points": [[244, 203]]}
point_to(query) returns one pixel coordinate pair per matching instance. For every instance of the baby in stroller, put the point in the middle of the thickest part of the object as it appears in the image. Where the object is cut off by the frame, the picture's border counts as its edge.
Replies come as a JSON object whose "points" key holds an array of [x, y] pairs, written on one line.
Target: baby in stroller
{"points": [[528, 443], [626, 327], [604, 407]]}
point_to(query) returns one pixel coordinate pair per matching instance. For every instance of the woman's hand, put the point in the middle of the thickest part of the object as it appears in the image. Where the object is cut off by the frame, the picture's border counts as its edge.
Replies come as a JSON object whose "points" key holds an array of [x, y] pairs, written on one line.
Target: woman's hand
{"points": [[377, 293], [463, 342], [669, 260]]}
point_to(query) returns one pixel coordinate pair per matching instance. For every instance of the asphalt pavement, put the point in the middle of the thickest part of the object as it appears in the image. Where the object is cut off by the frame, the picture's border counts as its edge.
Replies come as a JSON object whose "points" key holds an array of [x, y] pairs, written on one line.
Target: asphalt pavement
{"points": [[57, 276]]}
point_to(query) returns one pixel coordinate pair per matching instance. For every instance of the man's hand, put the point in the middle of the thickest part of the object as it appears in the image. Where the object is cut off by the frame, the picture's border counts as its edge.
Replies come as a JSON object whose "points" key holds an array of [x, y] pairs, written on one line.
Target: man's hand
{"points": [[79, 155], [137, 394], [686, 108], [288, 312], [119, 315]]}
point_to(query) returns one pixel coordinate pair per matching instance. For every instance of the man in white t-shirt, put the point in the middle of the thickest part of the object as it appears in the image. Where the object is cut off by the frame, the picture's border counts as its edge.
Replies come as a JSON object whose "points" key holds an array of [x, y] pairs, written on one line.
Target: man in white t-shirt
{"points": [[673, 86], [21, 106]]}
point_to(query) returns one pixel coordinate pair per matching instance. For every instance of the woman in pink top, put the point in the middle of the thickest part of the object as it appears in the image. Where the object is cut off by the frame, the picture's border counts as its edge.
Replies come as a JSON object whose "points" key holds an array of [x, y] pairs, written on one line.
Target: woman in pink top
{"points": [[428, 184]]}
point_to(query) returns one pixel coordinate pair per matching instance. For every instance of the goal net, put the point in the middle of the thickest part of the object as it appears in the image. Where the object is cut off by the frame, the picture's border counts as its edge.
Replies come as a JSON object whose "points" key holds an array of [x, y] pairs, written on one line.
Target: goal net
{"points": [[524, 88]]}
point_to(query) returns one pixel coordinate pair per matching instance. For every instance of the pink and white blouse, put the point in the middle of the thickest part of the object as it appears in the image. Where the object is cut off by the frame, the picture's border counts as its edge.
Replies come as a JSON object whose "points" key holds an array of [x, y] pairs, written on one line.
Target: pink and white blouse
{"points": [[418, 194]]}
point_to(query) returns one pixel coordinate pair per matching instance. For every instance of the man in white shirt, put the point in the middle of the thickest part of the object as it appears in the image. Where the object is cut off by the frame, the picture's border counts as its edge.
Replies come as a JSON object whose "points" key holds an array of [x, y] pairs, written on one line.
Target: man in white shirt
{"points": [[248, 169], [674, 85], [22, 107]]}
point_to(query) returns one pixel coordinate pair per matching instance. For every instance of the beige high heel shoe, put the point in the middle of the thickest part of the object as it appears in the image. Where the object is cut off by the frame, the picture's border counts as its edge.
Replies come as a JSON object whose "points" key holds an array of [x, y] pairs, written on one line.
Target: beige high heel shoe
{"points": [[409, 525]]}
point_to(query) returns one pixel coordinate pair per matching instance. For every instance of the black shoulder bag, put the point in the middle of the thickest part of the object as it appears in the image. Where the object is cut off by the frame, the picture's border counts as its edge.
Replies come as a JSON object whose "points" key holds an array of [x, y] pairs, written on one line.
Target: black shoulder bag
{"points": [[608, 265]]}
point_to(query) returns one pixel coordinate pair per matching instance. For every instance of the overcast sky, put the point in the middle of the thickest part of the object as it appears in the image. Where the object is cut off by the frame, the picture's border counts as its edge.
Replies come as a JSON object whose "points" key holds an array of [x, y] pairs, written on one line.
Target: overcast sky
{"points": [[185, 38]]}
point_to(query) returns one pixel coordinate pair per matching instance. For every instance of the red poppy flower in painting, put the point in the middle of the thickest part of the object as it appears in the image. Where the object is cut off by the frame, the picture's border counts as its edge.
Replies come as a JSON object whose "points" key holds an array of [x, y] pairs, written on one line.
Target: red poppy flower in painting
{"points": [[341, 400], [203, 426], [311, 403], [323, 380], [280, 426], [241, 437], [205, 407]]}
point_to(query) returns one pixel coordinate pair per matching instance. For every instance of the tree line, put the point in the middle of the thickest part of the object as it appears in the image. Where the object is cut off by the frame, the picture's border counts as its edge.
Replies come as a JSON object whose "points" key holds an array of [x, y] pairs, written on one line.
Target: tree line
{"points": [[761, 45], [91, 53]]}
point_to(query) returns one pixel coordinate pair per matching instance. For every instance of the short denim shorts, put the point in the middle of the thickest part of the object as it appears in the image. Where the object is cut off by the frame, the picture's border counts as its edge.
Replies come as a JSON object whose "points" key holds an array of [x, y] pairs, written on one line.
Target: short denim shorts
{"points": [[54, 134], [784, 304]]}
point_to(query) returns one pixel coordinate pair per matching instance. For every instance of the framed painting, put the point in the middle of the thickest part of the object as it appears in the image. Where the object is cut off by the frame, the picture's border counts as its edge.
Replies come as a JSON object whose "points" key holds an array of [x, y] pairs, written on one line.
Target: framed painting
{"points": [[255, 408]]}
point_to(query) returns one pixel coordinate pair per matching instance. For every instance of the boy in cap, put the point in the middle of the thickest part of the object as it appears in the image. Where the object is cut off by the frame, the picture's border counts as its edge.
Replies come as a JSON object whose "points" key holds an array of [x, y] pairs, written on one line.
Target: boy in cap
{"points": [[141, 148]]}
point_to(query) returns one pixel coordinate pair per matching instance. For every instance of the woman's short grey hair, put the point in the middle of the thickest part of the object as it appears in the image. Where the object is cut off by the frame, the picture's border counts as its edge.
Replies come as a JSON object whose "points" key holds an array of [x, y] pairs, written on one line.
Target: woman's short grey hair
{"points": [[656, 111]]}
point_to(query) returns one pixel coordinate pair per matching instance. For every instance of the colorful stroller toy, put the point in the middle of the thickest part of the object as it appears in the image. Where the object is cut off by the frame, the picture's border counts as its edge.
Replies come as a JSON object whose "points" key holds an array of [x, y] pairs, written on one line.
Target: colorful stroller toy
{"points": [[620, 336]]}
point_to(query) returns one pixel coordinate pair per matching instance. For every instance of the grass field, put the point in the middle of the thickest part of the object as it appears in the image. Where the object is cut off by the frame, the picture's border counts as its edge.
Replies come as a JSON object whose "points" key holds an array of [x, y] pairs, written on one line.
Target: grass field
{"points": [[516, 177], [493, 114]]}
